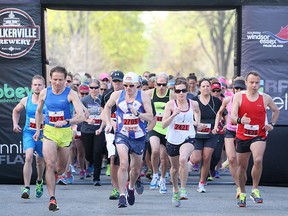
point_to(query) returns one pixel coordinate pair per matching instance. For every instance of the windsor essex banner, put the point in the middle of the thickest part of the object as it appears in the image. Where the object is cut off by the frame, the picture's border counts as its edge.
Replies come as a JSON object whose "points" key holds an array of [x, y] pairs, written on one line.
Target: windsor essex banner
{"points": [[265, 49], [20, 60]]}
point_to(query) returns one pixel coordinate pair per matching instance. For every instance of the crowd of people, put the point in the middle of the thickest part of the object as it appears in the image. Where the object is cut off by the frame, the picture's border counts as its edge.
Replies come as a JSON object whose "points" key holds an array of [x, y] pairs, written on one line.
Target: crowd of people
{"points": [[155, 121]]}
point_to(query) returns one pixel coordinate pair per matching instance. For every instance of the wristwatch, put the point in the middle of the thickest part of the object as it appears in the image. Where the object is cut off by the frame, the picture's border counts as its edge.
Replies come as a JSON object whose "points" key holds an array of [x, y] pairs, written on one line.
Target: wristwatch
{"points": [[271, 123], [137, 114]]}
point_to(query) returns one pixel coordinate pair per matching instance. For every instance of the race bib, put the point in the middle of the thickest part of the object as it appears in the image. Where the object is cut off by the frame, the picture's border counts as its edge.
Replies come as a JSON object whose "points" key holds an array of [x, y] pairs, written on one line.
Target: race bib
{"points": [[96, 119], [159, 117], [182, 126], [77, 135], [206, 129], [32, 124], [55, 116], [251, 130], [113, 116], [130, 122]]}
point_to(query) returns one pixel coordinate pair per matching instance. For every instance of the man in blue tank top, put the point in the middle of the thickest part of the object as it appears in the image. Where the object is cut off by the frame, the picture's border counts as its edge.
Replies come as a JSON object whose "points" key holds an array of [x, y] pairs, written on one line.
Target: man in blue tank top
{"points": [[57, 132], [133, 111], [30, 104]]}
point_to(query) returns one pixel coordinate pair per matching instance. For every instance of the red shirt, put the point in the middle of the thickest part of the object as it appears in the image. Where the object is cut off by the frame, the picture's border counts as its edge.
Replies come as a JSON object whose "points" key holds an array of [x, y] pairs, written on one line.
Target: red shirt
{"points": [[257, 113]]}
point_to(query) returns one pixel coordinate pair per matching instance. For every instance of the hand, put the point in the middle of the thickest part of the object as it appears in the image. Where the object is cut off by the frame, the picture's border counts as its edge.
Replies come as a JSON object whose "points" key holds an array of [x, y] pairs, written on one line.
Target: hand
{"points": [[36, 136], [108, 128], [215, 131], [17, 129], [176, 112], [60, 124], [268, 127], [201, 127], [97, 132], [245, 119], [90, 121], [132, 109], [223, 129]]}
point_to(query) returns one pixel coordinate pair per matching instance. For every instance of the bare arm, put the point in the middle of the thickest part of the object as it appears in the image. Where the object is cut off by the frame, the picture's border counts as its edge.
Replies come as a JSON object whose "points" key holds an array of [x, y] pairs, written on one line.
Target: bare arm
{"points": [[220, 112], [16, 114], [197, 113], [167, 117], [38, 114], [107, 110], [273, 107], [235, 108], [78, 106]]}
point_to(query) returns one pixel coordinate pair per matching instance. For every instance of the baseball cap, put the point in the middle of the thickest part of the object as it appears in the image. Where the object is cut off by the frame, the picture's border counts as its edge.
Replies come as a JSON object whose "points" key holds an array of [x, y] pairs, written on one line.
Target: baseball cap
{"points": [[103, 76], [117, 75], [131, 77], [216, 85], [239, 84], [83, 88]]}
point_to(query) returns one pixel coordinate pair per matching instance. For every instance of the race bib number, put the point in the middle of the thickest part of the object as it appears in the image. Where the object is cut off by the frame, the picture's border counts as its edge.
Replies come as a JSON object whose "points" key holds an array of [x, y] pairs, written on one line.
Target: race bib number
{"points": [[206, 129], [159, 117], [56, 116], [251, 130], [130, 122], [182, 126], [96, 119], [32, 124]]}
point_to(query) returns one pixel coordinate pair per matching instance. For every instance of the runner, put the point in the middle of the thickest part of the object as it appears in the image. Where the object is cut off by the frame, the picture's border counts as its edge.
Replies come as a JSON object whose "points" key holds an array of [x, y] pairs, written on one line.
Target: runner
{"points": [[57, 132], [133, 111], [178, 117], [249, 112], [30, 104]]}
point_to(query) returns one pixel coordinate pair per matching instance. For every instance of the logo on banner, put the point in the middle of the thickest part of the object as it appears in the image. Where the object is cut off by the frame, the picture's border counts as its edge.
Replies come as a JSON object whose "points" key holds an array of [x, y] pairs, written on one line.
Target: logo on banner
{"points": [[18, 33], [269, 39], [13, 95]]}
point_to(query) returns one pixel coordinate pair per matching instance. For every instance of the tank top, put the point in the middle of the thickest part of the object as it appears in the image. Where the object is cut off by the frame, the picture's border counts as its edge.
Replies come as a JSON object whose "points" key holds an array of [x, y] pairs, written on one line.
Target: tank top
{"points": [[257, 112], [230, 125], [58, 107], [128, 124], [30, 123], [159, 104], [181, 126]]}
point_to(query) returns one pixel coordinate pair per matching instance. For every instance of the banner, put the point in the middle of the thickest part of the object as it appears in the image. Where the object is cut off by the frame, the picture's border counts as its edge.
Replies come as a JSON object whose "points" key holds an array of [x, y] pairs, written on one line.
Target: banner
{"points": [[265, 49], [20, 60]]}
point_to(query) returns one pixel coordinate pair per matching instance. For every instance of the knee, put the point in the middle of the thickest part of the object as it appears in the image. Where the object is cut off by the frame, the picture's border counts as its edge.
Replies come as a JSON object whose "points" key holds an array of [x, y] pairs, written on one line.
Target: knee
{"points": [[173, 171], [183, 162], [232, 160], [29, 159], [123, 165], [258, 162]]}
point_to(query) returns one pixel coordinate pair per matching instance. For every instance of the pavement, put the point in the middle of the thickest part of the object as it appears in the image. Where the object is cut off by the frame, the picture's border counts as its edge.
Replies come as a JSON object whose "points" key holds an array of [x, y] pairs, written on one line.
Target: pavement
{"points": [[82, 198]]}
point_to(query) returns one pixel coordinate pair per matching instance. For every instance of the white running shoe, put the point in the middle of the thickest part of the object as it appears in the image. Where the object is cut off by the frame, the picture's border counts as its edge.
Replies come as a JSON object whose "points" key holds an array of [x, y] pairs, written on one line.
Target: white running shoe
{"points": [[154, 183], [201, 188], [163, 188]]}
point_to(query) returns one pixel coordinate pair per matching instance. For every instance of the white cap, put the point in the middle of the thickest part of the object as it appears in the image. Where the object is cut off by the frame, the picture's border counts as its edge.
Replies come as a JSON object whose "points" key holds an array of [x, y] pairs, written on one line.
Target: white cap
{"points": [[131, 77]]}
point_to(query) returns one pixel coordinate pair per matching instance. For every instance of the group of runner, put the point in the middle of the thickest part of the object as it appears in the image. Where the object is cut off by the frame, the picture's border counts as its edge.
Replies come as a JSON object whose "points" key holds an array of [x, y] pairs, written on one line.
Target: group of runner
{"points": [[182, 123]]}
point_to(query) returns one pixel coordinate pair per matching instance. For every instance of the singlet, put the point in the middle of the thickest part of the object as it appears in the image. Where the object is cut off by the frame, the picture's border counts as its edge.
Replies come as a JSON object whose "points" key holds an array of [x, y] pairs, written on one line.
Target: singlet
{"points": [[127, 123], [30, 123], [230, 125], [105, 98], [94, 109], [181, 126], [58, 107], [257, 113], [159, 103]]}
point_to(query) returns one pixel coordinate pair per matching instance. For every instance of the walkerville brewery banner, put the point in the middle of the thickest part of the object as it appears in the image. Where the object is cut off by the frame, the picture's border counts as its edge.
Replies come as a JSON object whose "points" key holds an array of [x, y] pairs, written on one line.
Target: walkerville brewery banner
{"points": [[20, 60], [265, 49]]}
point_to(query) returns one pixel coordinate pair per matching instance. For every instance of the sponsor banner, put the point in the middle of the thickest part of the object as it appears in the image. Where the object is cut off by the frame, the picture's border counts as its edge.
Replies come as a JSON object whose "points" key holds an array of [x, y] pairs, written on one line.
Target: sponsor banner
{"points": [[265, 49], [20, 60]]}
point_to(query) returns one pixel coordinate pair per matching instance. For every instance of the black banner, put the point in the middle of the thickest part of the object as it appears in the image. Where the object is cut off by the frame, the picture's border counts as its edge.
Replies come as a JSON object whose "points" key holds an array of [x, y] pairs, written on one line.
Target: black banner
{"points": [[265, 49], [20, 60]]}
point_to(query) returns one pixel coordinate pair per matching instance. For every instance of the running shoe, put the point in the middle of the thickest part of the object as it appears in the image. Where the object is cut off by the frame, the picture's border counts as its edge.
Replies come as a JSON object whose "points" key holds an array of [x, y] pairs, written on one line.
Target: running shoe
{"points": [[183, 194], [39, 189], [97, 183], [225, 165], [210, 178], [82, 174], [154, 183], [149, 174], [87, 173], [108, 170], [53, 205], [70, 178], [139, 186], [162, 186], [201, 188], [217, 174], [25, 193], [72, 169], [196, 167], [62, 180], [241, 201], [114, 194], [255, 196], [238, 192], [130, 196], [176, 199], [122, 202]]}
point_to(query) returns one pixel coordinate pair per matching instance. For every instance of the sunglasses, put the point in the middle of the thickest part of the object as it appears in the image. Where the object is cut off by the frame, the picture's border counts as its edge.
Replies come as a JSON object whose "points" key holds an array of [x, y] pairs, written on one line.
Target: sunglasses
{"points": [[178, 91], [131, 86], [94, 87], [237, 88], [69, 81], [77, 85], [162, 84], [103, 89], [216, 90], [151, 87], [82, 93]]}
